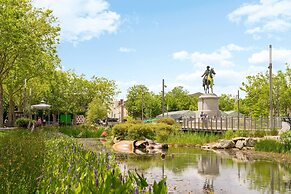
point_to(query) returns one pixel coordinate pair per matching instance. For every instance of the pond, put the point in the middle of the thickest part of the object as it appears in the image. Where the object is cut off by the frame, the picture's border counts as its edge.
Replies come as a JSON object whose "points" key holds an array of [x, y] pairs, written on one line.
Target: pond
{"points": [[190, 170]]}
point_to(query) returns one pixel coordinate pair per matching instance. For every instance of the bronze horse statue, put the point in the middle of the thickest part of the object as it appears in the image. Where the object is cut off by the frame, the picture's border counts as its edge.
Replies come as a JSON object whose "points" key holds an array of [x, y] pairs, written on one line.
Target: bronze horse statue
{"points": [[208, 81]]}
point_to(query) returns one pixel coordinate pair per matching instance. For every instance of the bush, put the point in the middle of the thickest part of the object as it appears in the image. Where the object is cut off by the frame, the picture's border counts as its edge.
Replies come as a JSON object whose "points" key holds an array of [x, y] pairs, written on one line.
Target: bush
{"points": [[286, 140], [163, 131], [23, 122], [166, 120], [141, 131], [121, 130]]}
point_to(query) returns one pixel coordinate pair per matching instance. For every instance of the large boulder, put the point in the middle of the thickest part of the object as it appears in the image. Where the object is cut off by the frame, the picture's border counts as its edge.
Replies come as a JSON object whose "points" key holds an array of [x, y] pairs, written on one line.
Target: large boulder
{"points": [[240, 144], [250, 142], [226, 144]]}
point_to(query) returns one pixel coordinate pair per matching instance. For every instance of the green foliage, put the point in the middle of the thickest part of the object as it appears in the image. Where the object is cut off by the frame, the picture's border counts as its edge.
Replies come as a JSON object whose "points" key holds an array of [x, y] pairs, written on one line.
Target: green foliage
{"points": [[23, 122], [166, 120], [182, 138], [139, 131], [96, 110], [229, 134], [45, 162], [179, 99], [22, 155], [121, 130], [226, 102], [286, 140], [256, 102], [139, 96], [270, 146], [82, 131]]}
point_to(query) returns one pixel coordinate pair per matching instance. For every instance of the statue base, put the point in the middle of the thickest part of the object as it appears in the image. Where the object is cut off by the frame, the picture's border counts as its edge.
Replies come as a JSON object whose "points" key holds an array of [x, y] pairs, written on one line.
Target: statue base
{"points": [[208, 104]]}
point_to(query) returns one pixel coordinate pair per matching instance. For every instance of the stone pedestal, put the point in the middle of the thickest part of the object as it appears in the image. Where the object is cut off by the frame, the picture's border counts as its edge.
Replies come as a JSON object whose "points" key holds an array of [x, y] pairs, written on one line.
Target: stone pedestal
{"points": [[208, 103]]}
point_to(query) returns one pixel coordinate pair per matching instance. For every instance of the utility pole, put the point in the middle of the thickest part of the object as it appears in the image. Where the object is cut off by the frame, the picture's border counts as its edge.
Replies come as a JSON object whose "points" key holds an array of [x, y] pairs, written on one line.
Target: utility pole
{"points": [[238, 109], [122, 110], [163, 98], [271, 86], [142, 103]]}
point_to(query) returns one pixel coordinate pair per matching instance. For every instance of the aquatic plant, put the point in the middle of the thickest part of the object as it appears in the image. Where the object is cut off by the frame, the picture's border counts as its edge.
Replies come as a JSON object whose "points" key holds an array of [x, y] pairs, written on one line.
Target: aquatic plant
{"points": [[47, 162]]}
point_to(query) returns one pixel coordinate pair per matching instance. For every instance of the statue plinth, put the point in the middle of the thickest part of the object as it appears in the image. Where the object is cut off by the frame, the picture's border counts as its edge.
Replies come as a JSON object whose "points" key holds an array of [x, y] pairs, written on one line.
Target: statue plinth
{"points": [[208, 103]]}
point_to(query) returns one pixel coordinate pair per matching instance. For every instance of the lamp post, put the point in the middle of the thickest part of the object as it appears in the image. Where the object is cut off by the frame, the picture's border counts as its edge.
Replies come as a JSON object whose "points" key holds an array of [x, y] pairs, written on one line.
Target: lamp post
{"points": [[271, 86]]}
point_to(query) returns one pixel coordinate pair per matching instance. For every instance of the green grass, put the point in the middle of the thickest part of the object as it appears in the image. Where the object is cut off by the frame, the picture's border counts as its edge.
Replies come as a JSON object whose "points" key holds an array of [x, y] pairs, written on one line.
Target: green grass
{"points": [[271, 146], [181, 138], [81, 131]]}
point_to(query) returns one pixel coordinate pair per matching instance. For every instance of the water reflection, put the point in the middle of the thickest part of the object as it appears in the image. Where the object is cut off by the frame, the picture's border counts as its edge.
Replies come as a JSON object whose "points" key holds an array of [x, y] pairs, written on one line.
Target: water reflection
{"points": [[198, 171]]}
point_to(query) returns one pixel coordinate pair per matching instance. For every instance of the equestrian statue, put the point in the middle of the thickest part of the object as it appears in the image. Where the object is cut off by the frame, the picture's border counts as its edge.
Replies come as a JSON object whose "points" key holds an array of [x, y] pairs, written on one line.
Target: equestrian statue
{"points": [[208, 79]]}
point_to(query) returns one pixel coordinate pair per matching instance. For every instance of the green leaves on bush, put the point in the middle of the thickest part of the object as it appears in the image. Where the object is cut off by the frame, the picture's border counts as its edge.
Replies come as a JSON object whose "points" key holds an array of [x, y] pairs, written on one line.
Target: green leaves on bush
{"points": [[166, 120], [23, 122], [156, 131], [286, 140], [84, 131]]}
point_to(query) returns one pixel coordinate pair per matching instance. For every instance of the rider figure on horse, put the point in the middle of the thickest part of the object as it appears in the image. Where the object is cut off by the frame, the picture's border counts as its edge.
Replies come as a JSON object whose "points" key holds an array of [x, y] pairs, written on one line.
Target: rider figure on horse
{"points": [[208, 79]]}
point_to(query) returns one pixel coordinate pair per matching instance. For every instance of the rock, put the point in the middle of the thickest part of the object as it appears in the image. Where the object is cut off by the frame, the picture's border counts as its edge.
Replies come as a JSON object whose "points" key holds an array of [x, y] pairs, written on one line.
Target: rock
{"points": [[238, 138], [226, 144], [240, 144], [285, 127], [277, 138], [250, 142]]}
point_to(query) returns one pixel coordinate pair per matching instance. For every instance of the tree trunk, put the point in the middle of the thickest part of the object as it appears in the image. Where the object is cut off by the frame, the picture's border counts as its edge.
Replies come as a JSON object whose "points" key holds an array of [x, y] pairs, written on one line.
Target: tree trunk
{"points": [[1, 104], [11, 112], [54, 119]]}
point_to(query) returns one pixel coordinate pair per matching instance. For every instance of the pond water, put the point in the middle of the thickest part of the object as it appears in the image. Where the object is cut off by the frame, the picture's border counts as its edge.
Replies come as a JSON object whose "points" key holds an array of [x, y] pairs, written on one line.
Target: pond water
{"points": [[191, 170]]}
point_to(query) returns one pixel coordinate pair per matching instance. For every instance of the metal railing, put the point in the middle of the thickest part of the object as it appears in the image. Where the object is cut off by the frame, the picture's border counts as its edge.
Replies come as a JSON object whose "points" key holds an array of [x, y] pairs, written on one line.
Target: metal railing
{"points": [[229, 123]]}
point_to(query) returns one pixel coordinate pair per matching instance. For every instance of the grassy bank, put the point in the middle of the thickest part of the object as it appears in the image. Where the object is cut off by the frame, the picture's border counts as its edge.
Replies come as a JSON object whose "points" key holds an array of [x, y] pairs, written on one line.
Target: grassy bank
{"points": [[192, 139], [47, 162]]}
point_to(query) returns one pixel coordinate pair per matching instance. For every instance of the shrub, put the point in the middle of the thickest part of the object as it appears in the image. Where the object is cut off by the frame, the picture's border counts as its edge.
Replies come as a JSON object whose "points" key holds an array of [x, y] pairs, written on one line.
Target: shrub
{"points": [[121, 130], [141, 131], [166, 120], [286, 140], [23, 122], [163, 131]]}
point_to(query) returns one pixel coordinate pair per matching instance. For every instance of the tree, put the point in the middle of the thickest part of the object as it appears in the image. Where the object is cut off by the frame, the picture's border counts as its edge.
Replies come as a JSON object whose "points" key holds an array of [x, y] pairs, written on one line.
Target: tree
{"points": [[179, 99], [96, 110], [256, 102], [28, 38], [136, 96], [226, 102]]}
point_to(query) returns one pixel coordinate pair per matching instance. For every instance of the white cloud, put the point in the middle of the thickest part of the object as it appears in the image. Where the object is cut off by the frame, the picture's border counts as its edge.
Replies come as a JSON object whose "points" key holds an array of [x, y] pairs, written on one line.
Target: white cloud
{"points": [[126, 50], [180, 55], [278, 55], [265, 16], [82, 19], [221, 57]]}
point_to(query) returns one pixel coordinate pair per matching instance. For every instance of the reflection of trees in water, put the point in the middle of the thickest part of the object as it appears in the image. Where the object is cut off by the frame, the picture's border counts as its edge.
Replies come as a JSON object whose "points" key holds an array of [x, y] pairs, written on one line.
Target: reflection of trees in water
{"points": [[269, 177], [208, 167], [176, 160]]}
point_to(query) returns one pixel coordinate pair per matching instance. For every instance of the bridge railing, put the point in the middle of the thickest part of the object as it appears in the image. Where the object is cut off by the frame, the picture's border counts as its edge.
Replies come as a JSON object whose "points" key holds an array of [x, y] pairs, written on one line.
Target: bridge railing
{"points": [[229, 123]]}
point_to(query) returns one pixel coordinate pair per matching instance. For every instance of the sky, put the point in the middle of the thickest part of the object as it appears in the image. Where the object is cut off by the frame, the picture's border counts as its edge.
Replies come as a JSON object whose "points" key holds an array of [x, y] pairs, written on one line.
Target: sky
{"points": [[144, 41]]}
